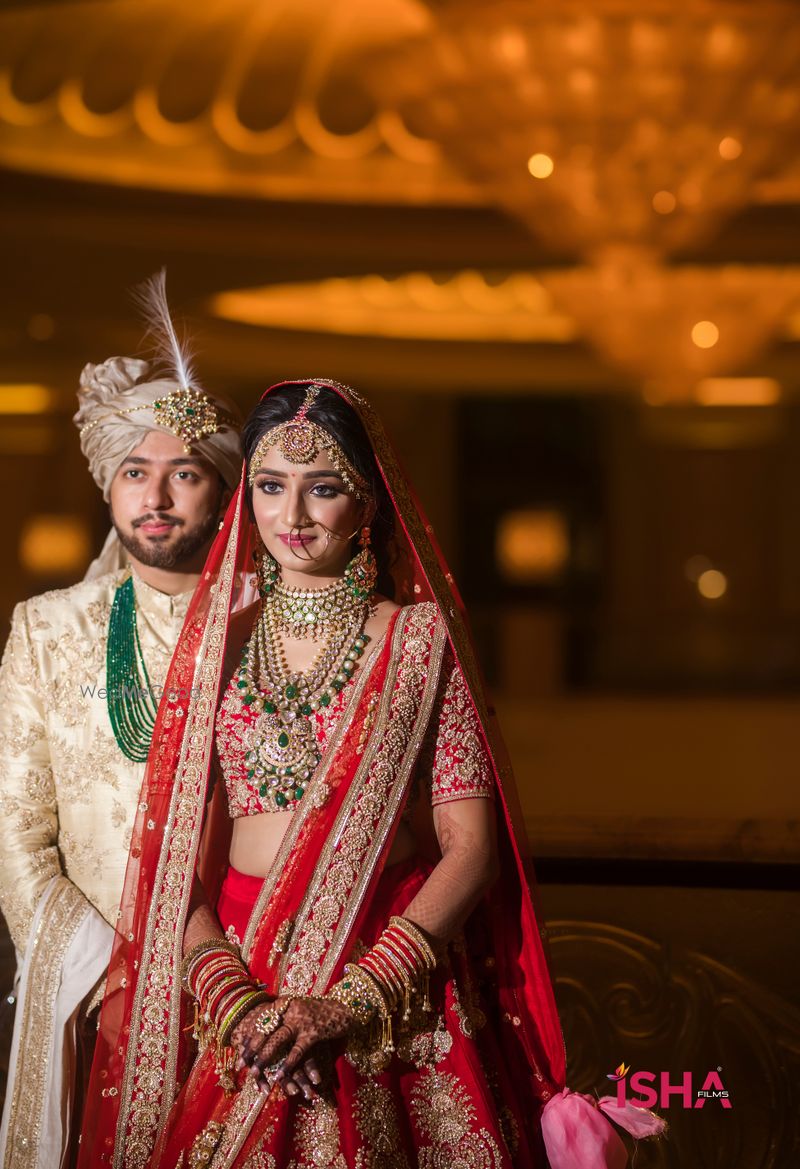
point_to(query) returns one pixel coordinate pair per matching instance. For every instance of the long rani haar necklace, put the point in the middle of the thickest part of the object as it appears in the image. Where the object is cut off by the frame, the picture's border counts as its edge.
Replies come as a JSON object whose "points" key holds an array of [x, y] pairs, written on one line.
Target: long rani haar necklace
{"points": [[283, 751], [132, 708]]}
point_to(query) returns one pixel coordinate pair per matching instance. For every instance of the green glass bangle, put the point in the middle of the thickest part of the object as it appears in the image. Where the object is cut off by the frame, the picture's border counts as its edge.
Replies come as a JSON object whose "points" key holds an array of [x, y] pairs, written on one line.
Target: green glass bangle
{"points": [[246, 1004]]}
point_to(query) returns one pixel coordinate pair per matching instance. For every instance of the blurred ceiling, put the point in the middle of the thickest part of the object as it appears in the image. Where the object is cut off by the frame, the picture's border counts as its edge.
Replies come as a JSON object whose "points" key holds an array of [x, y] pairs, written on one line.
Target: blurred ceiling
{"points": [[530, 196]]}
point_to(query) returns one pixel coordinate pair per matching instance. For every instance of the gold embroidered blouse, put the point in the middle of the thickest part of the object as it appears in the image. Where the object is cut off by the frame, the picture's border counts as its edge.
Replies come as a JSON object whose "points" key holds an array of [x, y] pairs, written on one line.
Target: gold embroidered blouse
{"points": [[68, 795], [453, 764]]}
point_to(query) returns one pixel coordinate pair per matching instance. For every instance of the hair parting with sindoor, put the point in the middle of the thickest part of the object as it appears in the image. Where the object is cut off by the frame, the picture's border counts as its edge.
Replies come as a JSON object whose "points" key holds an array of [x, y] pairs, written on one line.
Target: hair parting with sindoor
{"points": [[337, 417]]}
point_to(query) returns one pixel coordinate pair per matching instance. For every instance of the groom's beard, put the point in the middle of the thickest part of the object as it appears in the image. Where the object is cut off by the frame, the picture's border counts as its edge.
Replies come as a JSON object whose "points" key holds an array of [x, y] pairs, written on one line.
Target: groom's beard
{"points": [[170, 551]]}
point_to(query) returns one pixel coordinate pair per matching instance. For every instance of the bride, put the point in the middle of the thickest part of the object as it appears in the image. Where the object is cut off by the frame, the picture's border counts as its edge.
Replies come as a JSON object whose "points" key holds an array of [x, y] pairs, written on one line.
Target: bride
{"points": [[327, 952]]}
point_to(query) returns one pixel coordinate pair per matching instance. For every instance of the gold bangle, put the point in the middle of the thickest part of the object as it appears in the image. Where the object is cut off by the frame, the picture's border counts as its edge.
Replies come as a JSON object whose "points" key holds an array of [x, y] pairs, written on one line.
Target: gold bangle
{"points": [[370, 986], [229, 999], [202, 983], [360, 993], [413, 932], [398, 979], [205, 947], [405, 961]]}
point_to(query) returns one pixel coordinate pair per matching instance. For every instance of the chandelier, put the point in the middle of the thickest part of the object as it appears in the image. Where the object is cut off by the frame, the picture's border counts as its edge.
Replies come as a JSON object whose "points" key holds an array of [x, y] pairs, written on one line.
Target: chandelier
{"points": [[622, 132], [634, 123], [669, 328]]}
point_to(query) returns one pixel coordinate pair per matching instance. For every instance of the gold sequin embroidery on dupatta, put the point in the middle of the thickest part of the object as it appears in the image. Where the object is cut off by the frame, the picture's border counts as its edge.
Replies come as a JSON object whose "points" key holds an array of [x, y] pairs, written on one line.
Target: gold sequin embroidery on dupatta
{"points": [[247, 1105]]}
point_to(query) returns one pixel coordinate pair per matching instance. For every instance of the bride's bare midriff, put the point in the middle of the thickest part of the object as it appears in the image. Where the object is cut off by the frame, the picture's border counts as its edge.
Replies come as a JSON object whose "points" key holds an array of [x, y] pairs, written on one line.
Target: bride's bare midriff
{"points": [[257, 839]]}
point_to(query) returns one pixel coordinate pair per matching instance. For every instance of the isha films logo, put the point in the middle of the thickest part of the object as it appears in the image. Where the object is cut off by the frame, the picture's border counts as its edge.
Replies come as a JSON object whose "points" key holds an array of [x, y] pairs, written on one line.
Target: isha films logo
{"points": [[643, 1083]]}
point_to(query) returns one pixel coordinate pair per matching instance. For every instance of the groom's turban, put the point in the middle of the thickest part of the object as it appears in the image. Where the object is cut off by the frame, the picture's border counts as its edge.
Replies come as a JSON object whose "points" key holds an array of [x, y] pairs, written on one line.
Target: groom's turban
{"points": [[119, 407]]}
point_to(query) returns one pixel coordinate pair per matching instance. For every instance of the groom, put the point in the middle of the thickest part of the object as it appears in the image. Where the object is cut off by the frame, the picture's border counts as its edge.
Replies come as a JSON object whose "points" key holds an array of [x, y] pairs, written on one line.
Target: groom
{"points": [[79, 686]]}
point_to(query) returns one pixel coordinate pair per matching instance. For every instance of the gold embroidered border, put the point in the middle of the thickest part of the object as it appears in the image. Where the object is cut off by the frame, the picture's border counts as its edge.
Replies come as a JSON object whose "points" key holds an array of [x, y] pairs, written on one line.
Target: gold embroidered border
{"points": [[380, 832], [348, 859], [300, 816], [150, 1064], [362, 769], [247, 1105], [60, 917], [421, 536]]}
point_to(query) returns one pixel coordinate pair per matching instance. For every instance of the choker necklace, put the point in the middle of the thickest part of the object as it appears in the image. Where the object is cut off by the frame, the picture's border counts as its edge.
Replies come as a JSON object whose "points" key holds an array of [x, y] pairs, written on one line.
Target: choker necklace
{"points": [[313, 613], [131, 706], [283, 750]]}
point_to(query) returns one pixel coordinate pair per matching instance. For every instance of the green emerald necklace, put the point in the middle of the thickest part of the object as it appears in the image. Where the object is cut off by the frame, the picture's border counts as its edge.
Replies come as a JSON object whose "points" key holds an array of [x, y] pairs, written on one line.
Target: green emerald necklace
{"points": [[131, 706]]}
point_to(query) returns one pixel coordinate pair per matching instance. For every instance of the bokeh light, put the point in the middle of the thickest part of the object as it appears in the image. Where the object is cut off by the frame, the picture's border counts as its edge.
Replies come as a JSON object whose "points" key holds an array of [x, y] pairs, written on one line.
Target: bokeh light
{"points": [[712, 584], [664, 202], [541, 166], [730, 148], [705, 334]]}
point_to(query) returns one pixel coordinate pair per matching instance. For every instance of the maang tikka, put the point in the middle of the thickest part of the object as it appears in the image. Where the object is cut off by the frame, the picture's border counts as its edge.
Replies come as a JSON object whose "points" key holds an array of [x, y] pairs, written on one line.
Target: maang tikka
{"points": [[300, 440]]}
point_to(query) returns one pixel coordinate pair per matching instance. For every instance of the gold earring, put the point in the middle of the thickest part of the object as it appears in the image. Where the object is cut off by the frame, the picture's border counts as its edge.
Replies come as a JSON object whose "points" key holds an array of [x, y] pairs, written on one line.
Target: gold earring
{"points": [[267, 569], [361, 573]]}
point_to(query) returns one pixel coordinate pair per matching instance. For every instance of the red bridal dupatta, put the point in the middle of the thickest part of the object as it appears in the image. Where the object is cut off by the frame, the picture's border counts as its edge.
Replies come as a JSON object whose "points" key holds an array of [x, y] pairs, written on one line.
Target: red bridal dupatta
{"points": [[321, 888]]}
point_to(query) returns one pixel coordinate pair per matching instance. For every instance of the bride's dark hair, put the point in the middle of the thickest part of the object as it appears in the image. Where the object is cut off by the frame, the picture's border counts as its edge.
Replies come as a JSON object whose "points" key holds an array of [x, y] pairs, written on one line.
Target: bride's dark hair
{"points": [[334, 414]]}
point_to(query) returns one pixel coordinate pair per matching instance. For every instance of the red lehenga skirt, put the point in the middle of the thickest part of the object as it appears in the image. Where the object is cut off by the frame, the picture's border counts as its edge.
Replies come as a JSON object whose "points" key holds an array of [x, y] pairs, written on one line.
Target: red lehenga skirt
{"points": [[447, 1096]]}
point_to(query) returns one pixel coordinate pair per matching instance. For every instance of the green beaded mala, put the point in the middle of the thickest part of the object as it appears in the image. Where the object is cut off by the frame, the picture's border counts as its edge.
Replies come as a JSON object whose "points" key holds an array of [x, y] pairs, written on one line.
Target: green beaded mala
{"points": [[284, 752], [131, 706]]}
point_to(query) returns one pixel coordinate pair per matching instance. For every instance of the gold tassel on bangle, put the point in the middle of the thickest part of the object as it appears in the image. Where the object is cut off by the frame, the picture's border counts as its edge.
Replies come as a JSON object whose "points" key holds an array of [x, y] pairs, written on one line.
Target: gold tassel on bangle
{"points": [[386, 978]]}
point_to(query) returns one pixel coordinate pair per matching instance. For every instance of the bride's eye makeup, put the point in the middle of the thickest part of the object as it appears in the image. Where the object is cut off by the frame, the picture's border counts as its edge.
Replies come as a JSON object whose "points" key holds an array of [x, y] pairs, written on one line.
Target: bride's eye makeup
{"points": [[268, 486], [321, 489]]}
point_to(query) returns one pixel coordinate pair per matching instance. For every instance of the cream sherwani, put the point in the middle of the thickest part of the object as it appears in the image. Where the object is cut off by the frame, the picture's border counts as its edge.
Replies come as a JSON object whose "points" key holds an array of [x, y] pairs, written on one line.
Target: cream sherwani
{"points": [[68, 799]]}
